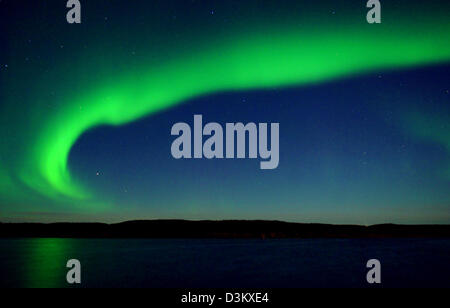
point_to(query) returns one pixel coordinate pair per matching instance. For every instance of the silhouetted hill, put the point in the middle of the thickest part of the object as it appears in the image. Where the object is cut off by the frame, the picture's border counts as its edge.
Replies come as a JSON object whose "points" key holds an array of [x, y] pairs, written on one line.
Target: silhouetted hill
{"points": [[217, 229]]}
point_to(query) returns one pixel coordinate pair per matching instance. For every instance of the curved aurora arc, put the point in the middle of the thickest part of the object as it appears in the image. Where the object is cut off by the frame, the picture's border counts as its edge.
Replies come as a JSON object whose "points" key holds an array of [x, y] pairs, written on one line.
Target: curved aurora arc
{"points": [[253, 60]]}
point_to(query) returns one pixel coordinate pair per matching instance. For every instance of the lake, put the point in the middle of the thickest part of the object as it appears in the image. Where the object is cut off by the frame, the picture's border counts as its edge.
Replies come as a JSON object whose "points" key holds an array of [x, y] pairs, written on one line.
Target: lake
{"points": [[208, 263]]}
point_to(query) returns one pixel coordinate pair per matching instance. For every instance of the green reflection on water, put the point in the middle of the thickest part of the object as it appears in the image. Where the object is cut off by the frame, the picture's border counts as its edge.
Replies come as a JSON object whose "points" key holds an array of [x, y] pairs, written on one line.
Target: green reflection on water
{"points": [[46, 267]]}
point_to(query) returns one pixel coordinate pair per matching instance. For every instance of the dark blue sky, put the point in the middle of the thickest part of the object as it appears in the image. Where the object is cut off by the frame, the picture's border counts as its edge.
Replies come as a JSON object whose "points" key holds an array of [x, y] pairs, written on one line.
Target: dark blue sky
{"points": [[345, 156]]}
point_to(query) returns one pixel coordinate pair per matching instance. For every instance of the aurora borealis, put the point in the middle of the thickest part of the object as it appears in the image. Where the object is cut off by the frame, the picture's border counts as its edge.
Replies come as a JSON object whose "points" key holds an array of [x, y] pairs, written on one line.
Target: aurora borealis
{"points": [[128, 63]]}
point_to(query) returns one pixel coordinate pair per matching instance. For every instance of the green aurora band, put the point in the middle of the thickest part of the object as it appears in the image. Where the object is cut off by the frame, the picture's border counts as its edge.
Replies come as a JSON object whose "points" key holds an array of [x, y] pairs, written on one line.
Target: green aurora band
{"points": [[254, 59]]}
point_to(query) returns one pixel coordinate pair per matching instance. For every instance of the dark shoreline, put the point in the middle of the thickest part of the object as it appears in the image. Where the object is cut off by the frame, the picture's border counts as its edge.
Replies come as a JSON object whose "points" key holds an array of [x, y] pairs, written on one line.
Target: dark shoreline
{"points": [[218, 229]]}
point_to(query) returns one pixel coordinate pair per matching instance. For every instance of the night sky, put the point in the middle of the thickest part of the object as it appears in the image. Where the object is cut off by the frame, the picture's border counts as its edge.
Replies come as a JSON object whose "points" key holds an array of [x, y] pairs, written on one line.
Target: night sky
{"points": [[86, 110]]}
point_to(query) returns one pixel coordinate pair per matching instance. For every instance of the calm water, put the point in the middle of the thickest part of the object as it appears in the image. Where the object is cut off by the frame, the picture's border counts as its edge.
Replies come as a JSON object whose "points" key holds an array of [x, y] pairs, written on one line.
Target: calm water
{"points": [[225, 263]]}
